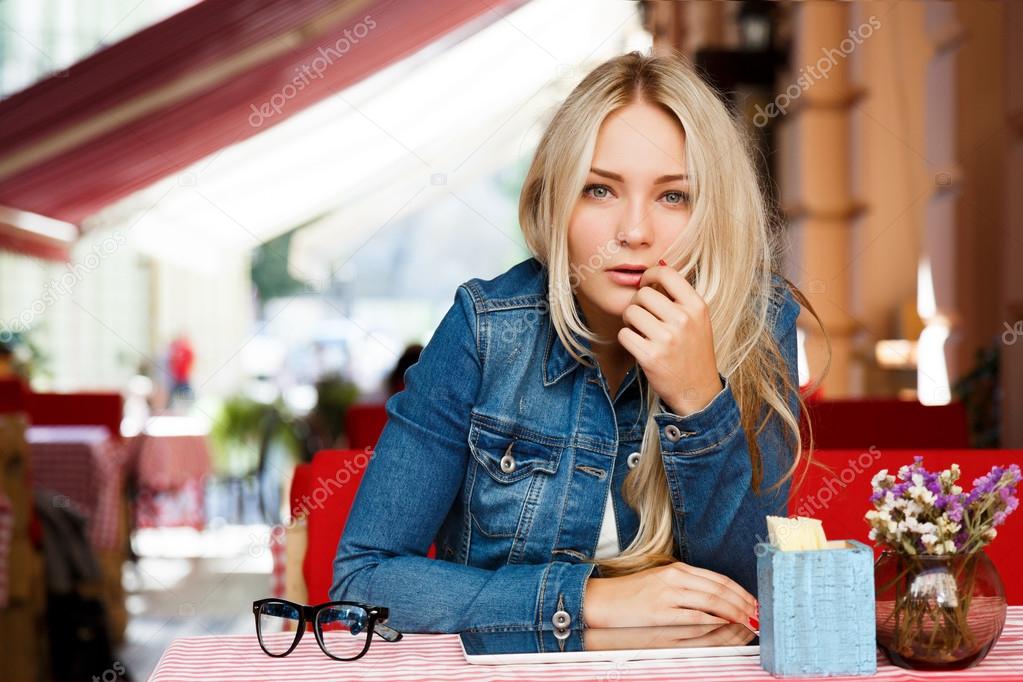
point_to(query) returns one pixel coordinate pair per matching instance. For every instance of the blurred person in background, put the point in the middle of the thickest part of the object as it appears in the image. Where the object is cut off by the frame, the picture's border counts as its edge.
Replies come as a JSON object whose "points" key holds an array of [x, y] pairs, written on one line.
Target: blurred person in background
{"points": [[396, 380], [180, 359]]}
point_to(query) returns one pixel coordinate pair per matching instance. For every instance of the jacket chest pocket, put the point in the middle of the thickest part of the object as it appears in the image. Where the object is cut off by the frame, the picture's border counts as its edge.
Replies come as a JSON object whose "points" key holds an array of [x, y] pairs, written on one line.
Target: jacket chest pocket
{"points": [[511, 472]]}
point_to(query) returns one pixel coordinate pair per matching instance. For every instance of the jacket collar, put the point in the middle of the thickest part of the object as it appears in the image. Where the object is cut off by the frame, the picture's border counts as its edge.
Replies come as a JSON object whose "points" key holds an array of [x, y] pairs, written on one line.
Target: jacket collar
{"points": [[558, 362]]}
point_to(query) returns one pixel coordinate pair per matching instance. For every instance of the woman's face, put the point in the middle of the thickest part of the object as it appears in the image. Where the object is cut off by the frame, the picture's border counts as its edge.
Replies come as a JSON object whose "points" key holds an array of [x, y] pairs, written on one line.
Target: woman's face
{"points": [[634, 205]]}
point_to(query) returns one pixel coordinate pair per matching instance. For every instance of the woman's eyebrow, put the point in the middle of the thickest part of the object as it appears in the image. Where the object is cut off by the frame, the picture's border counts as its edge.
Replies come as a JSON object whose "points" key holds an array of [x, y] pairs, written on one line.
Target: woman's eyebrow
{"points": [[659, 181]]}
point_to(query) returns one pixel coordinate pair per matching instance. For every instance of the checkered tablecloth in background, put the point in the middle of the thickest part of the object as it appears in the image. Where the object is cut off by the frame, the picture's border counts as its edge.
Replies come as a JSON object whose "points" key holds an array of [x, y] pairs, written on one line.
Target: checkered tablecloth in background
{"points": [[86, 466], [173, 461]]}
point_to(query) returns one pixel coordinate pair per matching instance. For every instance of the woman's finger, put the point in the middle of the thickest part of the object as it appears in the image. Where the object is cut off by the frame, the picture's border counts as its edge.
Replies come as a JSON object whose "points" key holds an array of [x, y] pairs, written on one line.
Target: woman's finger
{"points": [[724, 580], [687, 616], [727, 603], [637, 345], [643, 321], [673, 283], [714, 604], [662, 307]]}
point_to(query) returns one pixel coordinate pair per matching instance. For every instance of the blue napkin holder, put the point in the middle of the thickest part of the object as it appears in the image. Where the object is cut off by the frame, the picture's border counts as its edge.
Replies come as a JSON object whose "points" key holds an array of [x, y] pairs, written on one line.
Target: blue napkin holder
{"points": [[817, 611]]}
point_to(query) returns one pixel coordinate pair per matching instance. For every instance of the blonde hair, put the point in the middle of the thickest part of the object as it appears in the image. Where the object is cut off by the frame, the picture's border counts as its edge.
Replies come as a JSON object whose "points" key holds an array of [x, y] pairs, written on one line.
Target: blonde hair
{"points": [[726, 252]]}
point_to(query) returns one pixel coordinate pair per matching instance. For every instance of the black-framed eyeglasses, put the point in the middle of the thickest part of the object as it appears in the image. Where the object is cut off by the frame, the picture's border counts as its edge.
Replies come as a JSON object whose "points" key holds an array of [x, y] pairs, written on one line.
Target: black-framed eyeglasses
{"points": [[343, 629]]}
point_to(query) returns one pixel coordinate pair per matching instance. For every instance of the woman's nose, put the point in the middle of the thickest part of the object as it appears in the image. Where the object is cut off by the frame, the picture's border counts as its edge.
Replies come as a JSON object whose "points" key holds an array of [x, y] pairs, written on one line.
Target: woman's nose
{"points": [[635, 229]]}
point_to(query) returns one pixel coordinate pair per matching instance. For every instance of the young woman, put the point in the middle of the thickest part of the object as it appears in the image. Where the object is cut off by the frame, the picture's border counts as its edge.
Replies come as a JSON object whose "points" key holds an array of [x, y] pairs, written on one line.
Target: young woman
{"points": [[596, 436]]}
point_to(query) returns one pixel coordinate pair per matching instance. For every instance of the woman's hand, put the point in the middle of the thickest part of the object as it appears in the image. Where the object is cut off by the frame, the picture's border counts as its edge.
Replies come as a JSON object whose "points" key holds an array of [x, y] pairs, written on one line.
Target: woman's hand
{"points": [[674, 594], [670, 336]]}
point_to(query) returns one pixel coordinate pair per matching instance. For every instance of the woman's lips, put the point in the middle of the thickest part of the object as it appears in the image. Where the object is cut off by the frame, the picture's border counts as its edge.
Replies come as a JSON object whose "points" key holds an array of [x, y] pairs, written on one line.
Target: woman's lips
{"points": [[626, 278]]}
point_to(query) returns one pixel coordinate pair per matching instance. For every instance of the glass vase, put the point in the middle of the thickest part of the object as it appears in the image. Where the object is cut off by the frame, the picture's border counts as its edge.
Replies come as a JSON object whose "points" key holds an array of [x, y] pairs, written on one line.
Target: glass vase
{"points": [[938, 612]]}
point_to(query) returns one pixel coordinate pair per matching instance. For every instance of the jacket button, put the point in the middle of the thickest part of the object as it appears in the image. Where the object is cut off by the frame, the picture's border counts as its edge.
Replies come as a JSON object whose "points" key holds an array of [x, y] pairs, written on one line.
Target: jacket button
{"points": [[561, 620], [633, 460], [507, 463], [562, 633], [672, 433]]}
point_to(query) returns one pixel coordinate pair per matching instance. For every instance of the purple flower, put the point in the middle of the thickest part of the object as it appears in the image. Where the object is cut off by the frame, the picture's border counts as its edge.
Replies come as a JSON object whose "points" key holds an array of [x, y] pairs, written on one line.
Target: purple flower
{"points": [[956, 515]]}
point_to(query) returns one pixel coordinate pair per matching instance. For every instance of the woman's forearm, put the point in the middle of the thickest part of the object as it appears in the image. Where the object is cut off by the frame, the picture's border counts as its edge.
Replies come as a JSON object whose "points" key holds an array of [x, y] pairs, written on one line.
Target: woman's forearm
{"points": [[430, 595]]}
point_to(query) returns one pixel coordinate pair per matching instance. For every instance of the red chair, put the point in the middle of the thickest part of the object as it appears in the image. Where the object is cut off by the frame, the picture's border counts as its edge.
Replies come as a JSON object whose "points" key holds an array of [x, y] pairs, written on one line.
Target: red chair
{"points": [[840, 424], [13, 396], [77, 409], [325, 492], [364, 422], [301, 486], [840, 498]]}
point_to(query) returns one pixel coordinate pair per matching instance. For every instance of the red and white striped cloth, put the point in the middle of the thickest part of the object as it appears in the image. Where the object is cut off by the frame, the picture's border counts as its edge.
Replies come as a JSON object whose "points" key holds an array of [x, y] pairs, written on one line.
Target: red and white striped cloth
{"points": [[86, 466], [439, 657], [6, 537]]}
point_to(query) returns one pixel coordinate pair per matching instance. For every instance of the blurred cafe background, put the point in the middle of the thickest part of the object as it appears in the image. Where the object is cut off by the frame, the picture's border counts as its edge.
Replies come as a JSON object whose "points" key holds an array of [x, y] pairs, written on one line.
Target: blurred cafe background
{"points": [[228, 227]]}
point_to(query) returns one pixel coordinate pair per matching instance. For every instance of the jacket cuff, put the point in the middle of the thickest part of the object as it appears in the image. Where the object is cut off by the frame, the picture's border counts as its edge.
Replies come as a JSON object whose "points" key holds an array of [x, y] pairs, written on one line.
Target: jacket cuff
{"points": [[700, 431], [560, 603]]}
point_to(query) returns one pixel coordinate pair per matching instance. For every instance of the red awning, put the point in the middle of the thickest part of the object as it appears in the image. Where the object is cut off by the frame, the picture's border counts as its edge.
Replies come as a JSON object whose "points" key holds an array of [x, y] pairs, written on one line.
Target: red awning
{"points": [[203, 79]]}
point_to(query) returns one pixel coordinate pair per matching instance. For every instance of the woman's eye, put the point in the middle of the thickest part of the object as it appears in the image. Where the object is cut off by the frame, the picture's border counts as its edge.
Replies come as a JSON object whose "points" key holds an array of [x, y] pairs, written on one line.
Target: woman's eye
{"points": [[597, 191], [675, 197]]}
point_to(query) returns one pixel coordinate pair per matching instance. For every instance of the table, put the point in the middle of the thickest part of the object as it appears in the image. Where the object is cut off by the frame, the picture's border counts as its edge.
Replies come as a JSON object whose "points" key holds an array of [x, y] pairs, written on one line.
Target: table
{"points": [[439, 657], [87, 467], [173, 461]]}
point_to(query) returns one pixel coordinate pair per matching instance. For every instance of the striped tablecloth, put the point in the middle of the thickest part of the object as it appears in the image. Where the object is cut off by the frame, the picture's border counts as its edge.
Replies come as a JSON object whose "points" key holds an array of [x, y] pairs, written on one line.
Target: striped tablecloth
{"points": [[439, 657]]}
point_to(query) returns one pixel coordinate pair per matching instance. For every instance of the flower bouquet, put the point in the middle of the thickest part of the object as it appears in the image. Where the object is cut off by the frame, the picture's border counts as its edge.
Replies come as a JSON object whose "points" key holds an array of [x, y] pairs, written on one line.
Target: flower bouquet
{"points": [[940, 600]]}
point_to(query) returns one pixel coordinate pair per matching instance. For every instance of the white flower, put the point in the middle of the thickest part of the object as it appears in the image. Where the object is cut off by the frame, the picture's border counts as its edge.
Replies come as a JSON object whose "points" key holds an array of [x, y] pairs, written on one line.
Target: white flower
{"points": [[950, 547], [956, 490], [872, 534], [918, 481], [928, 539], [919, 492]]}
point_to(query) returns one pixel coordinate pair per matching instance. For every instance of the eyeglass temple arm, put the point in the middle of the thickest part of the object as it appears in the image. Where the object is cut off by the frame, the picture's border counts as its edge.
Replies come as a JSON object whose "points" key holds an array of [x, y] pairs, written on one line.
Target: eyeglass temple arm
{"points": [[386, 632]]}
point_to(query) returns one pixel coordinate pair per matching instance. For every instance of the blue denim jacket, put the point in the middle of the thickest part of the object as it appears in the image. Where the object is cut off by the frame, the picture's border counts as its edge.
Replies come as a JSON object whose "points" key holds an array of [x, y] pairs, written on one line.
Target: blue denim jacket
{"points": [[501, 449]]}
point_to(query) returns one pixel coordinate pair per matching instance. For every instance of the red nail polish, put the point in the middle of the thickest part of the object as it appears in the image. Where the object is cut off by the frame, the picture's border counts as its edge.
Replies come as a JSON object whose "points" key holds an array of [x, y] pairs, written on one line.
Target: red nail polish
{"points": [[754, 624], [661, 262]]}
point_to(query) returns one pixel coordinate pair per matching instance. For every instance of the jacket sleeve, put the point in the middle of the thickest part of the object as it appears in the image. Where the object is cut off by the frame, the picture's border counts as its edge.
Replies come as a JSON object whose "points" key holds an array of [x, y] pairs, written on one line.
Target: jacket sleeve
{"points": [[410, 485], [718, 518]]}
